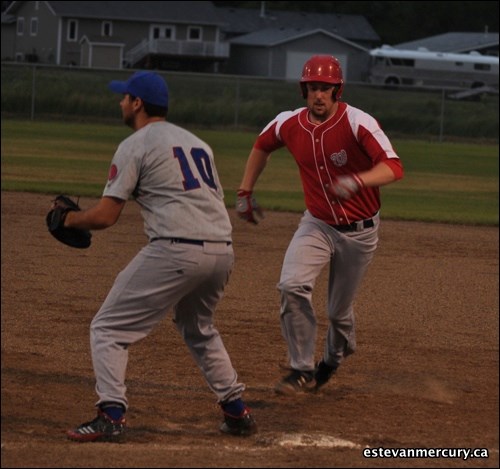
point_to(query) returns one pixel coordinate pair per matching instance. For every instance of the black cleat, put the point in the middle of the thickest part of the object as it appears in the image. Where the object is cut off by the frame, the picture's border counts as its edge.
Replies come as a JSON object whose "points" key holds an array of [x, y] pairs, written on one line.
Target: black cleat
{"points": [[296, 382], [323, 373], [242, 425], [102, 428]]}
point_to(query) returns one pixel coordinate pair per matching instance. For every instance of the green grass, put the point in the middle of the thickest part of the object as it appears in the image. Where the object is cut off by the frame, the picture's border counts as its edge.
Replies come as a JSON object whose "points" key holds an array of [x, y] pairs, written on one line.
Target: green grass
{"points": [[444, 182]]}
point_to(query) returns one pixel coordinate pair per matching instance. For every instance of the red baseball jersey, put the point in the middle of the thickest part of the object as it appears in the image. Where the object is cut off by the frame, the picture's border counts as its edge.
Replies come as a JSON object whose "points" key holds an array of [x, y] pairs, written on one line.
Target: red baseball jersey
{"points": [[350, 141]]}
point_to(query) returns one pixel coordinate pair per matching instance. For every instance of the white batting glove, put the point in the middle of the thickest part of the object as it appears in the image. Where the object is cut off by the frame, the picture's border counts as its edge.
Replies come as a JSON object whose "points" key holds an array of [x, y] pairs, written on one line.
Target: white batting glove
{"points": [[344, 187]]}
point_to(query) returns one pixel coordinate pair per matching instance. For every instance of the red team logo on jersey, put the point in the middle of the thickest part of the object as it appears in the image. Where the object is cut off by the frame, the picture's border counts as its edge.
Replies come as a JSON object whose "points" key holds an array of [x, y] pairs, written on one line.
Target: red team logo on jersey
{"points": [[113, 171]]}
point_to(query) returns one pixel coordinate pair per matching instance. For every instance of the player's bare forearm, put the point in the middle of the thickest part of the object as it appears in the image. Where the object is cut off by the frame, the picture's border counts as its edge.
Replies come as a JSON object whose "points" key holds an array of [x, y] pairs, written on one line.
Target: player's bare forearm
{"points": [[100, 216], [379, 175], [257, 161]]}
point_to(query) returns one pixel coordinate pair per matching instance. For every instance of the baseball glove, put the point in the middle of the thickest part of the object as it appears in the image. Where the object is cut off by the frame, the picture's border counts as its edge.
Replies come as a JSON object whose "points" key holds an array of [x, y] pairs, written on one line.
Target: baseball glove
{"points": [[55, 222]]}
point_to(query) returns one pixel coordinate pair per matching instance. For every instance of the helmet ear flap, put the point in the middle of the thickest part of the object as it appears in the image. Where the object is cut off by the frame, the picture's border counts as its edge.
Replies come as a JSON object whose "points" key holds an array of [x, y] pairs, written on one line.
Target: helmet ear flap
{"points": [[303, 87], [336, 92]]}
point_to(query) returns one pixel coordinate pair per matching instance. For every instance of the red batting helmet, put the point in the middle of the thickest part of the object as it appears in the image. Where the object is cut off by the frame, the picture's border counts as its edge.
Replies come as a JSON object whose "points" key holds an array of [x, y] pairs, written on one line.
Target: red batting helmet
{"points": [[324, 69]]}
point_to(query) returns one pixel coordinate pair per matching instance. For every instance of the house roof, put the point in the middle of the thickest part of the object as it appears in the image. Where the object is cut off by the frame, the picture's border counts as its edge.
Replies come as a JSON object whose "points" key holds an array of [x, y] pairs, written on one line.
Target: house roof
{"points": [[453, 42], [8, 19], [243, 21], [161, 12], [274, 36], [233, 21], [102, 40]]}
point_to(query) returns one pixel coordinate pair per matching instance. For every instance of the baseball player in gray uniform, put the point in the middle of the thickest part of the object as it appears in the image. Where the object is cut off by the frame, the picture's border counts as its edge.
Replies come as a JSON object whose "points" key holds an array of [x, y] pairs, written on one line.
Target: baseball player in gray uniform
{"points": [[343, 157], [184, 267]]}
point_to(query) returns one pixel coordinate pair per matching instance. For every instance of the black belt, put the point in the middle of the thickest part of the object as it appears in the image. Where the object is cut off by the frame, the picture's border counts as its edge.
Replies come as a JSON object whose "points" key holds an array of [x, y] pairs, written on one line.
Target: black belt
{"points": [[355, 226], [187, 241]]}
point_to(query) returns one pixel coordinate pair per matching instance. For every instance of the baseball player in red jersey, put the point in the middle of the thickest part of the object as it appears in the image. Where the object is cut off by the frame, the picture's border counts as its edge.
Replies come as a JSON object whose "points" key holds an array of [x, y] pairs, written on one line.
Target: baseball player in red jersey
{"points": [[343, 158], [184, 267]]}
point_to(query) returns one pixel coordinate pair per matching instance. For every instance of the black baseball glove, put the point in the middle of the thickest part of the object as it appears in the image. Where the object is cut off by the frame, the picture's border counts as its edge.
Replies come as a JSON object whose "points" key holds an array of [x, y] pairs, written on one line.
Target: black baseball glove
{"points": [[55, 222]]}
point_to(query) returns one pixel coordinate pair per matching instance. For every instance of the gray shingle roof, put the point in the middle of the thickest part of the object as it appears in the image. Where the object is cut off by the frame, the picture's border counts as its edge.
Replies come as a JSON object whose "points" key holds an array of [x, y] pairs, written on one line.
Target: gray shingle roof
{"points": [[179, 12], [244, 20], [102, 40], [8, 19], [452, 42], [273, 36]]}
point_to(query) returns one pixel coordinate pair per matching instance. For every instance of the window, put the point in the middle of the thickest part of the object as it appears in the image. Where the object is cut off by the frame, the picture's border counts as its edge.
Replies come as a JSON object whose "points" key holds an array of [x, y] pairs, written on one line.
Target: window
{"points": [[194, 33], [485, 67], [34, 27], [20, 26], [72, 30], [107, 29], [403, 62], [162, 32], [168, 32]]}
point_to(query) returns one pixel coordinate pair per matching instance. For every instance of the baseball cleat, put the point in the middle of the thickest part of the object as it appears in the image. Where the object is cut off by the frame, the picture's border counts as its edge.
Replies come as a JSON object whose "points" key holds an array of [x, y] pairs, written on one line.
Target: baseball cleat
{"points": [[296, 382], [102, 428], [242, 425], [323, 373]]}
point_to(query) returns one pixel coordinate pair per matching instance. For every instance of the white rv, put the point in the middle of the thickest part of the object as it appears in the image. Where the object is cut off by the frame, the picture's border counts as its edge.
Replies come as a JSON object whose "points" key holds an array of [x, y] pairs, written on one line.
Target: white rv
{"points": [[393, 67]]}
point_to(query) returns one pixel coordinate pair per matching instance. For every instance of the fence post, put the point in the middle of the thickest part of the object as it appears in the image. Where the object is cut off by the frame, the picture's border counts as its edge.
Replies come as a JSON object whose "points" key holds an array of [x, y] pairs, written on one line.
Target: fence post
{"points": [[237, 103], [33, 90], [441, 120]]}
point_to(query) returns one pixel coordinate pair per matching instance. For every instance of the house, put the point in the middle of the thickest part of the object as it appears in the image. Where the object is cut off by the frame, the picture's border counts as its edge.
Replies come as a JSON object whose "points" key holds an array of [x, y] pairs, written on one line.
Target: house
{"points": [[485, 43], [194, 36], [281, 53], [276, 44], [174, 35]]}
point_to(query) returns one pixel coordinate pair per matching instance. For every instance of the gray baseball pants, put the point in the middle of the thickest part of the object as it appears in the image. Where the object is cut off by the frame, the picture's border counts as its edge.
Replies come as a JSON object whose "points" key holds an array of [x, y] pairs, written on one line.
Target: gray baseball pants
{"points": [[314, 245], [188, 279]]}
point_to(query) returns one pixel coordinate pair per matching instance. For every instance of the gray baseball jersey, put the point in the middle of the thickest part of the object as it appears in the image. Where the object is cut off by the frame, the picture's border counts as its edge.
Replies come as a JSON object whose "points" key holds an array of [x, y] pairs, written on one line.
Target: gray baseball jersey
{"points": [[185, 266], [172, 175]]}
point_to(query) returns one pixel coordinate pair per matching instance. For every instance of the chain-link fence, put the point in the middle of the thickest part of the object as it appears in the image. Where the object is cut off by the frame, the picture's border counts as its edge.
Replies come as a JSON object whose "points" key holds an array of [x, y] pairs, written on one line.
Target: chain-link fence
{"points": [[241, 102]]}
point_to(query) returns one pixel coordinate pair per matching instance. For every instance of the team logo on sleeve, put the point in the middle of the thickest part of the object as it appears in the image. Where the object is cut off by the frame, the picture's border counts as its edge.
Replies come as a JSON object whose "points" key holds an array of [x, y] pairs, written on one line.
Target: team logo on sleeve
{"points": [[113, 171], [339, 159]]}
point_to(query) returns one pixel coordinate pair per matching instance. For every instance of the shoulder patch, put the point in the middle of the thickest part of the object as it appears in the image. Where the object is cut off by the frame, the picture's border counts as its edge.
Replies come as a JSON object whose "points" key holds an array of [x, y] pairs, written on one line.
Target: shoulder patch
{"points": [[113, 171]]}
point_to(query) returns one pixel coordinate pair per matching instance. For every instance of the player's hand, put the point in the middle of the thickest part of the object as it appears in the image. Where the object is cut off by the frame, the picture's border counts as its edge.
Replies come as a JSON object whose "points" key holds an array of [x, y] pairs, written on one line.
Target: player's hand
{"points": [[247, 207], [344, 187]]}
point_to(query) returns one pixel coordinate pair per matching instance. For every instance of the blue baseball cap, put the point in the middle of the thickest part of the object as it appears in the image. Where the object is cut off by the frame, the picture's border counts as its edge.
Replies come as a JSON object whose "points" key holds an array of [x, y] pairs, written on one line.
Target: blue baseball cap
{"points": [[148, 86]]}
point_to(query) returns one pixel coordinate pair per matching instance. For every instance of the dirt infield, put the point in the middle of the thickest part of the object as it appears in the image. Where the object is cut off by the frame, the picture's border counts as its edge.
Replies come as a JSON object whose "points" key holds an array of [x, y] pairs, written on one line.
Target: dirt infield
{"points": [[425, 374]]}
